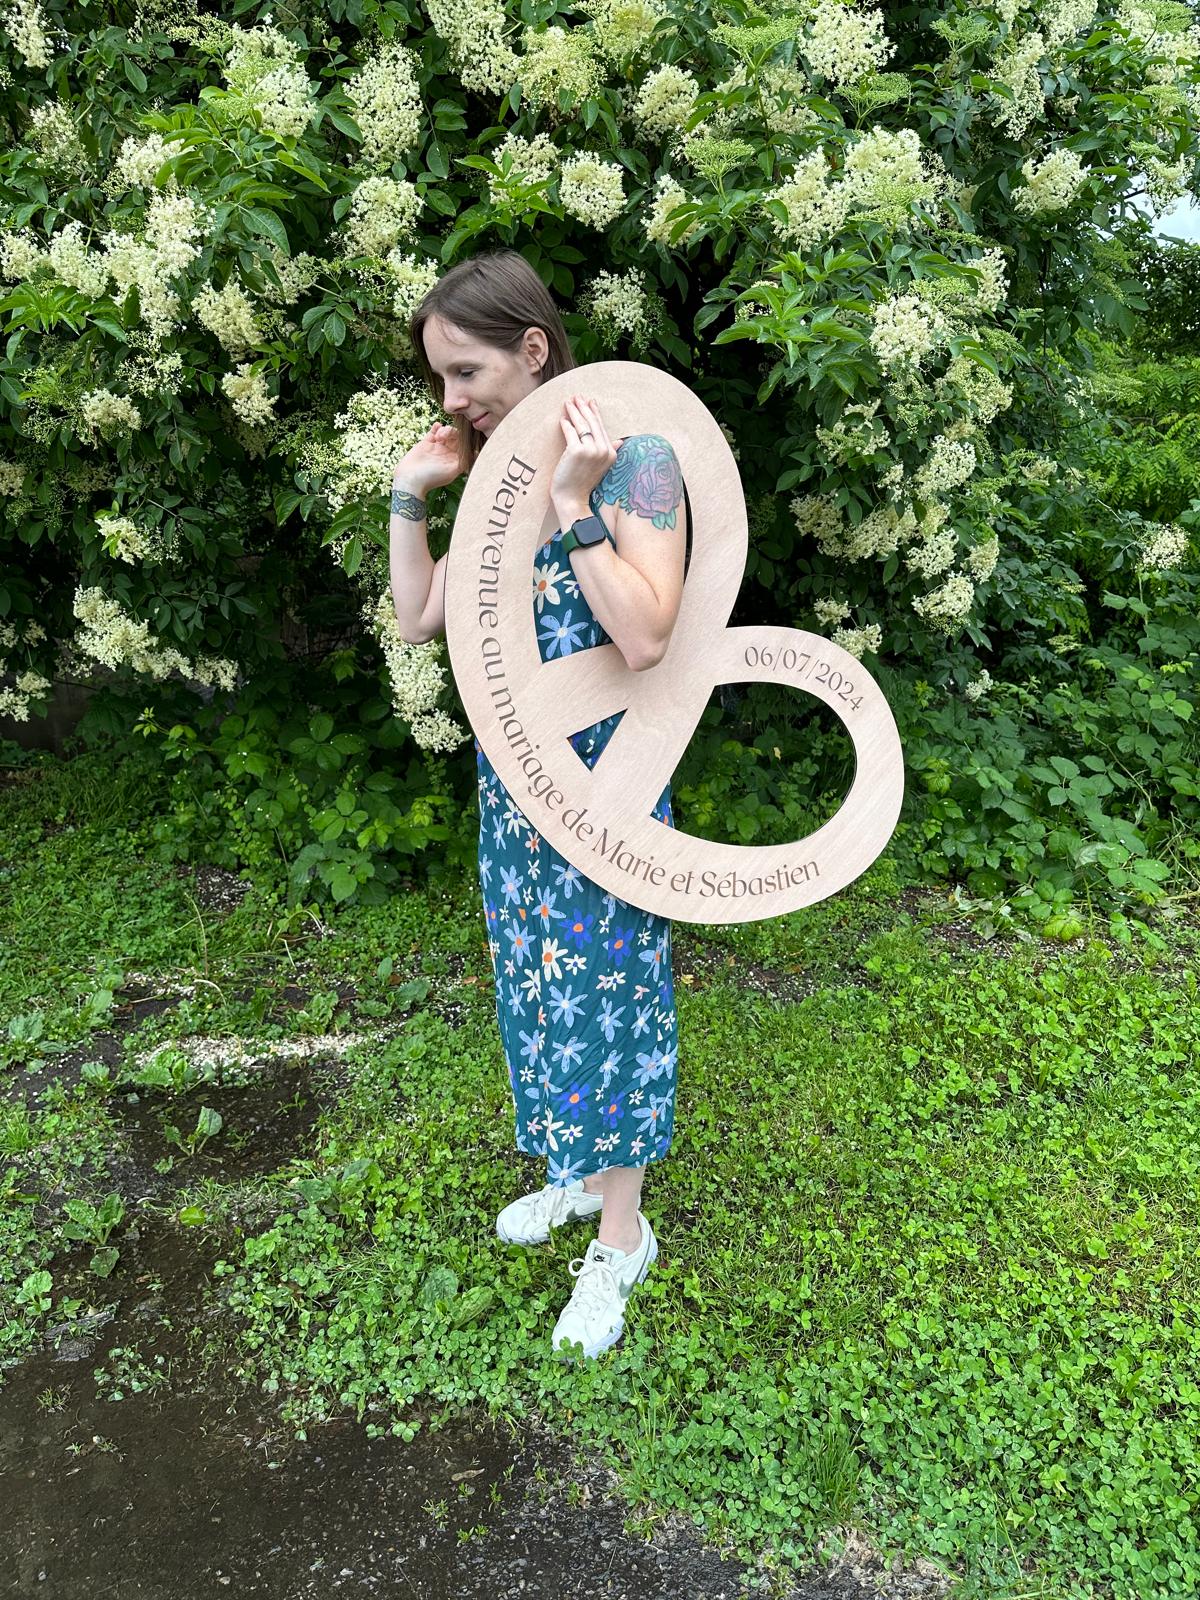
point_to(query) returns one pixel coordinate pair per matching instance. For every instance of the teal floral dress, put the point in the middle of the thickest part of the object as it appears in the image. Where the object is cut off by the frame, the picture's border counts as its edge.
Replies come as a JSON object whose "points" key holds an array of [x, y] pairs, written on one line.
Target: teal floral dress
{"points": [[584, 992]]}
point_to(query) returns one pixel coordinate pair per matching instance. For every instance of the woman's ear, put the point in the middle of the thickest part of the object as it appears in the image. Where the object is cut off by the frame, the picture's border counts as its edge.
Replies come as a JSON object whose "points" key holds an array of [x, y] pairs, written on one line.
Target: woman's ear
{"points": [[537, 349]]}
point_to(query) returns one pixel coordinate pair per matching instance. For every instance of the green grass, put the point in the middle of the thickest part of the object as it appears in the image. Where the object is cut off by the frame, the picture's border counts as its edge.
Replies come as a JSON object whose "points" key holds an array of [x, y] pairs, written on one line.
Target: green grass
{"points": [[928, 1235]]}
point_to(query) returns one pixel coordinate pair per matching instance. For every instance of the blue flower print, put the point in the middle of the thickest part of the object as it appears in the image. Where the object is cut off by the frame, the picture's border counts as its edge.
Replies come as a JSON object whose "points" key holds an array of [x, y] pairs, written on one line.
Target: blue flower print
{"points": [[618, 945], [567, 1006], [485, 870], [490, 915], [572, 1101], [567, 1053], [532, 1046], [522, 944], [567, 878], [612, 1109], [565, 1171], [654, 959], [560, 633], [514, 999], [579, 929], [510, 883], [641, 1021], [546, 908], [498, 832], [650, 1066], [609, 1020]]}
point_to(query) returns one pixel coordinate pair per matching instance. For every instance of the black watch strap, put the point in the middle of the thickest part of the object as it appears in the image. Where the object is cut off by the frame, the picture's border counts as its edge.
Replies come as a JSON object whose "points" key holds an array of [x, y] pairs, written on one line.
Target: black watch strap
{"points": [[584, 532]]}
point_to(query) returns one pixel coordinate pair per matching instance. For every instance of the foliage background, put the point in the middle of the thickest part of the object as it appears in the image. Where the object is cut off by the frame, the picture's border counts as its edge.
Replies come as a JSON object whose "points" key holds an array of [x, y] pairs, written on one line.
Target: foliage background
{"points": [[906, 241]]}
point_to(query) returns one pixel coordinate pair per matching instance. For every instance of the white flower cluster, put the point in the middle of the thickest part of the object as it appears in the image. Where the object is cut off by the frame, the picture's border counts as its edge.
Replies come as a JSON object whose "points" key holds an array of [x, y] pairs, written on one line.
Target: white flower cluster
{"points": [[591, 189], [12, 478], [264, 69], [411, 281], [172, 223], [228, 314], [106, 413], [16, 702], [858, 641], [982, 558], [296, 275], [1051, 184], [979, 686], [109, 635], [21, 256], [247, 392], [857, 435], [386, 98], [904, 329], [382, 211], [75, 265], [558, 58], [532, 163], [976, 386], [665, 101], [668, 197], [884, 172], [948, 605], [378, 428], [951, 462], [843, 45], [1151, 25], [1164, 545], [615, 303], [816, 209], [125, 540], [53, 134], [622, 29], [417, 678], [828, 611], [1019, 71], [1166, 181], [817, 517], [1062, 20], [26, 27], [474, 31], [138, 162], [936, 554]]}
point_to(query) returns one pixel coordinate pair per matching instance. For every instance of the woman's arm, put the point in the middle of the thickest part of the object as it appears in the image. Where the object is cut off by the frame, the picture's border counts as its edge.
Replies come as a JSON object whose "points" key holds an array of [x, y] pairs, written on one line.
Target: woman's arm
{"points": [[635, 590], [418, 582]]}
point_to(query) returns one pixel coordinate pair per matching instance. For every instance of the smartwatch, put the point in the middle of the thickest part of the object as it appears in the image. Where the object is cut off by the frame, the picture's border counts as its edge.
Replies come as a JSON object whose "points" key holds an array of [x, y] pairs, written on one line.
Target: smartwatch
{"points": [[583, 533]]}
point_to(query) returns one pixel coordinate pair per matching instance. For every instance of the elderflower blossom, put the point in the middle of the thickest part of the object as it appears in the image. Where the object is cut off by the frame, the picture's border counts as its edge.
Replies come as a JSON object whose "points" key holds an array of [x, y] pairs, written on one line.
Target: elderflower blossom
{"points": [[296, 275], [474, 32], [26, 27], [12, 477], [935, 555], [382, 211], [828, 611], [20, 257], [1064, 19], [1018, 69], [982, 558], [665, 100], [615, 303], [1166, 181], [978, 386], [816, 517], [115, 639], [843, 45], [16, 702], [246, 390], [75, 265], [558, 59], [264, 70], [106, 413], [411, 280], [979, 686], [386, 99], [1164, 545], [668, 197], [951, 462], [532, 163], [815, 209], [228, 314], [125, 541], [859, 641], [904, 329], [889, 170], [949, 604], [53, 134], [591, 189], [417, 678], [136, 167], [1051, 184], [378, 428], [172, 221], [623, 29]]}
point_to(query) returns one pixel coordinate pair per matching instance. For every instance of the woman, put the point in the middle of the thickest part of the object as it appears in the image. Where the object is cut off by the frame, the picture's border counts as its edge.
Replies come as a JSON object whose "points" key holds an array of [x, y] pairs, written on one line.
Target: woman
{"points": [[584, 994]]}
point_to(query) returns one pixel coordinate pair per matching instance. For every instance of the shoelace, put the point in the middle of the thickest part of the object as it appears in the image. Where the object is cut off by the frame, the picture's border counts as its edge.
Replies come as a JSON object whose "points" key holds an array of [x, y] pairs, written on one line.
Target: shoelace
{"points": [[595, 1284], [544, 1205]]}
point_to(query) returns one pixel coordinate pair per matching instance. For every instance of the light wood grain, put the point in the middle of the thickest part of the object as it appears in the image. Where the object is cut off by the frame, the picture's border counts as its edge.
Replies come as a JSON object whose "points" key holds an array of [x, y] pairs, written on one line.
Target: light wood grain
{"points": [[523, 709]]}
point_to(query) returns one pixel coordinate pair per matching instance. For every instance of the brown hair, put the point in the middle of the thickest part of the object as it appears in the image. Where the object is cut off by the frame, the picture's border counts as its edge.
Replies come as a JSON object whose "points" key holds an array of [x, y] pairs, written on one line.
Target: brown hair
{"points": [[494, 297]]}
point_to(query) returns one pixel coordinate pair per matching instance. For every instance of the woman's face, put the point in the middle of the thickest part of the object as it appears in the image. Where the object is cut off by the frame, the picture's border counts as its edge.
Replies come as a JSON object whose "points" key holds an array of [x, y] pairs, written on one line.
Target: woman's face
{"points": [[482, 382]]}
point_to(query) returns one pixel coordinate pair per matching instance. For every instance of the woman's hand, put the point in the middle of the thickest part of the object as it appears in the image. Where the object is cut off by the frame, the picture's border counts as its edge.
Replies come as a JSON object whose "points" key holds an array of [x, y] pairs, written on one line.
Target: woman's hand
{"points": [[585, 460], [433, 461]]}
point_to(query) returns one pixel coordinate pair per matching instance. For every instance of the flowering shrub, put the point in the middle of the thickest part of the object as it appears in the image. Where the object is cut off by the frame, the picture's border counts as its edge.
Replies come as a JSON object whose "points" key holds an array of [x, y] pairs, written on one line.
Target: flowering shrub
{"points": [[212, 234]]}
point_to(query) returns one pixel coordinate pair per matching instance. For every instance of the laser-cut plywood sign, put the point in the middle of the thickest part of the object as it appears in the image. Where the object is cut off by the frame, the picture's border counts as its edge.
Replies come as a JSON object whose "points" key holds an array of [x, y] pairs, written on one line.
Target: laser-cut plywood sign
{"points": [[523, 709]]}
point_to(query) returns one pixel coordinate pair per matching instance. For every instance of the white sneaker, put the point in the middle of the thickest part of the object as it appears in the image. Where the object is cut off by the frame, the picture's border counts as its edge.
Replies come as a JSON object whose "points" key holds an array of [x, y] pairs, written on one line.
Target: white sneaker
{"points": [[529, 1219], [594, 1316]]}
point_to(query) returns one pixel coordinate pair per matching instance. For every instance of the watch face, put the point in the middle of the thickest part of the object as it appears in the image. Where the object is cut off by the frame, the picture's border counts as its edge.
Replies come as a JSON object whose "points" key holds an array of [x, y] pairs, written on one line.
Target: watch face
{"points": [[590, 530]]}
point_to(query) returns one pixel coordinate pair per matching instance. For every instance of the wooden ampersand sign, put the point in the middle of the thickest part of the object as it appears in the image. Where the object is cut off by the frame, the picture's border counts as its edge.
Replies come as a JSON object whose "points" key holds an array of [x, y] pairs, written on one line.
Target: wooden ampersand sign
{"points": [[523, 710]]}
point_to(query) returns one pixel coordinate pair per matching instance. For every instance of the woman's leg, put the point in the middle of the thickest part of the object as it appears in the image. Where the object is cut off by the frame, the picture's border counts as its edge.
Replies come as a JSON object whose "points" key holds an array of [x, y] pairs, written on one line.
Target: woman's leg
{"points": [[622, 1191]]}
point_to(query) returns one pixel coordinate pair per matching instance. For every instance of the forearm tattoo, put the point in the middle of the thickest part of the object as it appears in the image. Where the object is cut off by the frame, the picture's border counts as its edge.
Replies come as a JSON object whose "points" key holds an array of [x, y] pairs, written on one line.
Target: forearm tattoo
{"points": [[645, 479], [409, 506]]}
